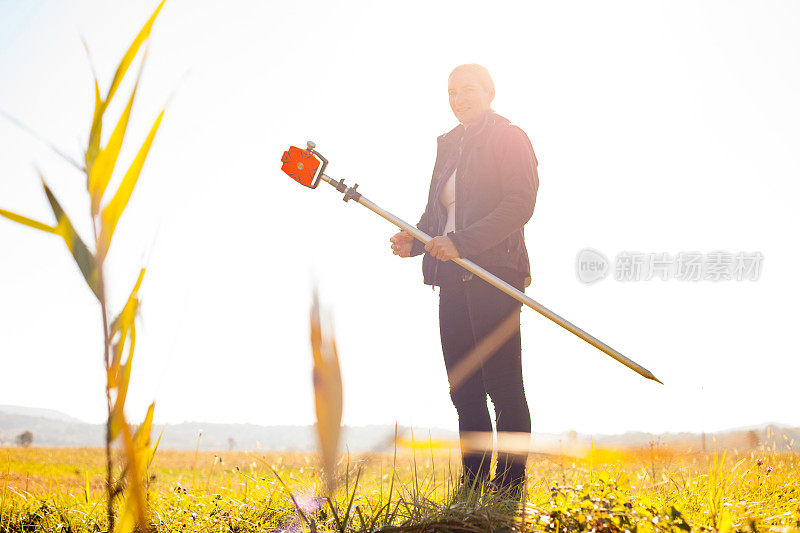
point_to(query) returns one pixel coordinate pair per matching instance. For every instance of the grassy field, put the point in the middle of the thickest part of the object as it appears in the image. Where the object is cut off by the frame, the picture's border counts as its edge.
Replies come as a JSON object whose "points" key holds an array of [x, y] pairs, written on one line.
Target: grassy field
{"points": [[46, 489]]}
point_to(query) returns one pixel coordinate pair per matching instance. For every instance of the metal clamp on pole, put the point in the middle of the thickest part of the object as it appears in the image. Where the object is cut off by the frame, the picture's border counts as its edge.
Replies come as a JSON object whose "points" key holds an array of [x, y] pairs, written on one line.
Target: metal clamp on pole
{"points": [[352, 194]]}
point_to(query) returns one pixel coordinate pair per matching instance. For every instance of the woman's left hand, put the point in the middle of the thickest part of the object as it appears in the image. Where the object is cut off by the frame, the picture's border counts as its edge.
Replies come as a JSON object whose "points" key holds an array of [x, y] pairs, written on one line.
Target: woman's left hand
{"points": [[442, 248]]}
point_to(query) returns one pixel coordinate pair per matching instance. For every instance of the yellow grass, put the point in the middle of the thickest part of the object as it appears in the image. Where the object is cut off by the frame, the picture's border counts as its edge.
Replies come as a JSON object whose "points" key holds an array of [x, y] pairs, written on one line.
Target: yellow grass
{"points": [[51, 489]]}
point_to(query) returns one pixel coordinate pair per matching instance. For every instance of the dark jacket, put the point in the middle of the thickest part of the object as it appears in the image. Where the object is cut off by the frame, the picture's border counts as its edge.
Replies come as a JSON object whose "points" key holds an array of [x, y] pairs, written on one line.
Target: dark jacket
{"points": [[496, 185]]}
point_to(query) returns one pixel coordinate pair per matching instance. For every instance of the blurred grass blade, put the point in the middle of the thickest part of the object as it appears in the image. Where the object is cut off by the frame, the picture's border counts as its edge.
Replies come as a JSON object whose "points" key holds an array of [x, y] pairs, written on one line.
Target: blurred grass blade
{"points": [[127, 59], [327, 393], [154, 449], [113, 211], [346, 519], [83, 257], [103, 167], [86, 488], [28, 221], [41, 139]]}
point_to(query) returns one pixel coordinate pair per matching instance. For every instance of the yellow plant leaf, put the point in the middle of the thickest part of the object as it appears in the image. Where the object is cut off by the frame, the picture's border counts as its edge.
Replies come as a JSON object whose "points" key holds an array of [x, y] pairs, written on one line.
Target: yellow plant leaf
{"points": [[142, 440], [128, 313], [122, 324], [124, 321], [28, 221], [83, 257], [142, 437], [100, 172], [93, 147], [118, 350], [123, 378], [137, 285], [137, 455], [127, 59], [126, 521], [135, 487], [113, 211], [113, 367]]}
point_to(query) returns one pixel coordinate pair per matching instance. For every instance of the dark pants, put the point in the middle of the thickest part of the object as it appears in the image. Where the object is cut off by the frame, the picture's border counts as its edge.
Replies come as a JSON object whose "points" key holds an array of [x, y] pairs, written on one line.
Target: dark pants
{"points": [[469, 310]]}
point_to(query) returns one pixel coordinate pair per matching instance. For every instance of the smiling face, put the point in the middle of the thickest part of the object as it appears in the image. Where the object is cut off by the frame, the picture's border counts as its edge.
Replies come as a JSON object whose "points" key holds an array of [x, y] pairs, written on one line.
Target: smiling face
{"points": [[469, 99]]}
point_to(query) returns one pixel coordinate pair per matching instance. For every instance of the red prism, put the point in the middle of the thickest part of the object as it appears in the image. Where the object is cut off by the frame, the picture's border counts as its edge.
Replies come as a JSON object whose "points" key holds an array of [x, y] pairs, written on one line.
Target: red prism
{"points": [[300, 165]]}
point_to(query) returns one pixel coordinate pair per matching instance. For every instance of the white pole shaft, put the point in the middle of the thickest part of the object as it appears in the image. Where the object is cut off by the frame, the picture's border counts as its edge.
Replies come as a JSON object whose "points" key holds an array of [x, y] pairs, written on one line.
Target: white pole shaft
{"points": [[508, 289]]}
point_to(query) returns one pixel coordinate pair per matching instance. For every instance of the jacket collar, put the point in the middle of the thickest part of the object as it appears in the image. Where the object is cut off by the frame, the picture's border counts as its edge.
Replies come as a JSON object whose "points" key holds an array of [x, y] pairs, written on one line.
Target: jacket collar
{"points": [[477, 134]]}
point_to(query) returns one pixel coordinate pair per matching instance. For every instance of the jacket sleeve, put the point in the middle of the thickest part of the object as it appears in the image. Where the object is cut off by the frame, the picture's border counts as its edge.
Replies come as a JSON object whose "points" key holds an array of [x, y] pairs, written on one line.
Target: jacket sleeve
{"points": [[519, 183], [417, 246]]}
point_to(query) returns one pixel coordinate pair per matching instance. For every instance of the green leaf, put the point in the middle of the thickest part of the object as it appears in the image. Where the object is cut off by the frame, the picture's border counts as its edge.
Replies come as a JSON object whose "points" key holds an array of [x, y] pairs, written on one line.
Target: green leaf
{"points": [[83, 257]]}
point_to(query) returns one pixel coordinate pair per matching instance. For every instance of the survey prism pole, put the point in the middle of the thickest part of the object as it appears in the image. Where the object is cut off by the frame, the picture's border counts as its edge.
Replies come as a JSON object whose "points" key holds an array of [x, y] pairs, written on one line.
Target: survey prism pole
{"points": [[304, 167]]}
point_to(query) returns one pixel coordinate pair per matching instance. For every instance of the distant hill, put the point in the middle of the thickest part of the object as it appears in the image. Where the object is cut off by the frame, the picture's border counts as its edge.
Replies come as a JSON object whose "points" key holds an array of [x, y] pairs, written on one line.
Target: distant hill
{"points": [[52, 428], [772, 436], [36, 411], [49, 431]]}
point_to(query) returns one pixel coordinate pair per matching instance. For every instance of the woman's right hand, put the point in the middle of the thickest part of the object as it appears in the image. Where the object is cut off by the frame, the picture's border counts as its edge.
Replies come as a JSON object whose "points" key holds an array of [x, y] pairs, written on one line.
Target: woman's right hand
{"points": [[401, 244]]}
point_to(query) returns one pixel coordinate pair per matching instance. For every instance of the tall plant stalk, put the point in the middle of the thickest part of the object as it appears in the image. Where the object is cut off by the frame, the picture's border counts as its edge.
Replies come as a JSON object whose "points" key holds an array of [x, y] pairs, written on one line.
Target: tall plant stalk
{"points": [[106, 360], [119, 334]]}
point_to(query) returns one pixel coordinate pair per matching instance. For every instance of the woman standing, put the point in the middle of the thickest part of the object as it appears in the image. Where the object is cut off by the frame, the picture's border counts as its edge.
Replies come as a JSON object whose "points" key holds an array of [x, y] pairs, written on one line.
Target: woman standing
{"points": [[482, 193]]}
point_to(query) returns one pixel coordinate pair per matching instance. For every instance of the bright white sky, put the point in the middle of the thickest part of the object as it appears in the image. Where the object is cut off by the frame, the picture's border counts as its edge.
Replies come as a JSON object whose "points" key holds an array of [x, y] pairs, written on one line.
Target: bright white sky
{"points": [[659, 127]]}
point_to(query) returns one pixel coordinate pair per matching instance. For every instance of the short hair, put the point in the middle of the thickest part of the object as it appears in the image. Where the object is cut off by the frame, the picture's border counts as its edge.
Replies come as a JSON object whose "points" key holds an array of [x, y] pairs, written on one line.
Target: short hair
{"points": [[481, 72]]}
